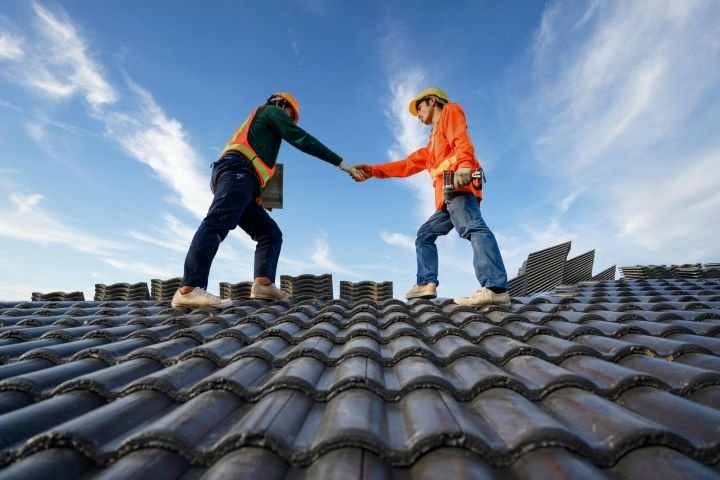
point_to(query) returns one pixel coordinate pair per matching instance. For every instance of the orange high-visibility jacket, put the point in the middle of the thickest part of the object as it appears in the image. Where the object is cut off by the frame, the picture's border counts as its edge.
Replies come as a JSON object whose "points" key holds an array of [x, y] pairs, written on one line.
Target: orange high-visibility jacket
{"points": [[448, 148]]}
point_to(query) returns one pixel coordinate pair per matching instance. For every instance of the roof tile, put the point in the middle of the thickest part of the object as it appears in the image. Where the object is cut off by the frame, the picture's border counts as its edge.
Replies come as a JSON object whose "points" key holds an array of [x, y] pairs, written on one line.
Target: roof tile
{"points": [[600, 380]]}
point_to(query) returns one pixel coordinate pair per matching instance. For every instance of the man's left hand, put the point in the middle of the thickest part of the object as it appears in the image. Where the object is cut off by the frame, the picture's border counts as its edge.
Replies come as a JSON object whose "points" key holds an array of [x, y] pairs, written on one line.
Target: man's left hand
{"points": [[350, 170], [463, 176]]}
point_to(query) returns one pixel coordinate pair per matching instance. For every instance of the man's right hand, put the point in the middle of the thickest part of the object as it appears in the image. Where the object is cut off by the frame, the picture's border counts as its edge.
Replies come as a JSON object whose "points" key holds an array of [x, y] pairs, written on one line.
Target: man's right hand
{"points": [[365, 172]]}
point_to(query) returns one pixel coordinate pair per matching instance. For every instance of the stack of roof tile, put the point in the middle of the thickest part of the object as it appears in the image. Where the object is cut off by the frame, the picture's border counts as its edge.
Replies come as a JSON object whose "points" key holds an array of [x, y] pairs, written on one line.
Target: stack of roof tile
{"points": [[366, 290], [546, 269], [121, 292], [610, 379], [607, 274], [308, 286], [690, 271], [57, 296], [578, 269], [235, 291], [711, 270], [164, 289], [542, 271]]}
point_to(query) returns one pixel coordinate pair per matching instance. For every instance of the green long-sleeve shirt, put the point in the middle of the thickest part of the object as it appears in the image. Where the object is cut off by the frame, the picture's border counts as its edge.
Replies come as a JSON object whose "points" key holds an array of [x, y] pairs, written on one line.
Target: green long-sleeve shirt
{"points": [[272, 125]]}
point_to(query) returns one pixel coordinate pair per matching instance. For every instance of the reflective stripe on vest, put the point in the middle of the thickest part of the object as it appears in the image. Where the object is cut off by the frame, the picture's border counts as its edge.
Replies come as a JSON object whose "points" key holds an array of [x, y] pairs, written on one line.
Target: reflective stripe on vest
{"points": [[444, 165], [239, 142]]}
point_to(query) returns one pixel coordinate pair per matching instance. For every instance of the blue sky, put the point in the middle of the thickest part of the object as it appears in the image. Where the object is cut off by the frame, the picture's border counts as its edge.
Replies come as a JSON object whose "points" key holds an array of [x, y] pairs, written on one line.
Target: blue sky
{"points": [[595, 121]]}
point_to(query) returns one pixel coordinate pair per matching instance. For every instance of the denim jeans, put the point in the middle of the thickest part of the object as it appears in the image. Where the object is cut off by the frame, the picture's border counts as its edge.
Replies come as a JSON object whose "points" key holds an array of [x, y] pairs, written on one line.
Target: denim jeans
{"points": [[235, 187], [463, 213]]}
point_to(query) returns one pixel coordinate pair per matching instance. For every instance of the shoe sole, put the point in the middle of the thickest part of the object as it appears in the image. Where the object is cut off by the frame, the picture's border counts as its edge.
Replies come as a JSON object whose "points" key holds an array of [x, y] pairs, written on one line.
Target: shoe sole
{"points": [[199, 306], [468, 304], [426, 296]]}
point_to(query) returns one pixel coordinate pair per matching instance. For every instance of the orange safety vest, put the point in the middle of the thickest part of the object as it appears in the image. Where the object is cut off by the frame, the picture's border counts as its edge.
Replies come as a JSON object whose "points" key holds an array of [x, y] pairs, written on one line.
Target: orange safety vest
{"points": [[239, 142]]}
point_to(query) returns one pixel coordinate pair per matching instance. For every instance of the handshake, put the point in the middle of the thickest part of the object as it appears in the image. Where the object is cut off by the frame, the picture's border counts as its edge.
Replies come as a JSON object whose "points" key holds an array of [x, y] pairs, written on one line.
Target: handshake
{"points": [[359, 173]]}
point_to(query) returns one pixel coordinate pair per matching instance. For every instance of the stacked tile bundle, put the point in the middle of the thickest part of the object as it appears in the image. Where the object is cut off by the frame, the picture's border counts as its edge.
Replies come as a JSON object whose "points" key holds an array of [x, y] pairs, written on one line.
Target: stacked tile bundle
{"points": [[121, 292], [711, 270], [542, 271], [308, 286], [366, 290], [690, 271], [605, 275], [617, 379], [546, 269], [164, 289], [235, 291], [57, 296], [578, 269]]}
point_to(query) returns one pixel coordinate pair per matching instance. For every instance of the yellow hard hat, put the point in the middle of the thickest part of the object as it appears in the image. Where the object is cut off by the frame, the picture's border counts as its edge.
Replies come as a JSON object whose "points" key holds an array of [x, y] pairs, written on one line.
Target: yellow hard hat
{"points": [[426, 93], [292, 101]]}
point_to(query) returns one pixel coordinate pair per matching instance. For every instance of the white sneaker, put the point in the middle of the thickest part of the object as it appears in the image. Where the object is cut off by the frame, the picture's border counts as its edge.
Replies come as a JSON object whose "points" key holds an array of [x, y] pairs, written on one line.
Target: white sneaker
{"points": [[422, 291], [484, 296], [268, 292], [198, 297]]}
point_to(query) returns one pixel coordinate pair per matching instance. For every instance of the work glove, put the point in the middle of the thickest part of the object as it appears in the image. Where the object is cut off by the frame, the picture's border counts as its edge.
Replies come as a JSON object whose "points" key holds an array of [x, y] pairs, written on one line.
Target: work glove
{"points": [[463, 176], [350, 170], [364, 172]]}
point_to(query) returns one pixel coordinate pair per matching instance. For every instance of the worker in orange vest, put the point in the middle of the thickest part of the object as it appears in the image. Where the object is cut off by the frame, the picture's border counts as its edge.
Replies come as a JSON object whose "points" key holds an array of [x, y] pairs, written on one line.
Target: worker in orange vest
{"points": [[245, 165], [449, 149]]}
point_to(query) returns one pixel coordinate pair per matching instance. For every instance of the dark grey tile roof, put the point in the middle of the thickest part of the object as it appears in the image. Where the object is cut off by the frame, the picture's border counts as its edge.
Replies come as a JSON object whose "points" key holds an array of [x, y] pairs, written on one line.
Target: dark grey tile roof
{"points": [[600, 380]]}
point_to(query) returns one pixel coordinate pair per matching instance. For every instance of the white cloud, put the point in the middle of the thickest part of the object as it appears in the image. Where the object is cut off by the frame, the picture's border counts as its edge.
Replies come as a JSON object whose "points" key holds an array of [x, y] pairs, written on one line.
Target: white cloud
{"points": [[141, 269], [14, 291], [152, 138], [11, 48], [322, 258], [398, 240], [409, 135], [25, 219], [36, 131], [61, 65], [625, 111], [174, 235]]}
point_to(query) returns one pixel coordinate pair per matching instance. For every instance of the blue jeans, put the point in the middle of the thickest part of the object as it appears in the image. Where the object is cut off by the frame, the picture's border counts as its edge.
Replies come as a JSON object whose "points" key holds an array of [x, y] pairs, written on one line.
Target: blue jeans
{"points": [[235, 186], [463, 213]]}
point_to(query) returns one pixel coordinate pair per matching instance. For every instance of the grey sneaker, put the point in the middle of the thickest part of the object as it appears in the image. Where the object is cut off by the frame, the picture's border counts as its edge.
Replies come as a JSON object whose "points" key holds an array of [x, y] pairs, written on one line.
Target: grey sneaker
{"points": [[268, 292], [198, 297], [484, 296], [422, 291]]}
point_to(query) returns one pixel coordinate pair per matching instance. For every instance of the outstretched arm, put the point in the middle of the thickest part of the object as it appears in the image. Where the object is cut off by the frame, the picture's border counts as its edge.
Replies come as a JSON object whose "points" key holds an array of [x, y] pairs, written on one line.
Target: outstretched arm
{"points": [[414, 163]]}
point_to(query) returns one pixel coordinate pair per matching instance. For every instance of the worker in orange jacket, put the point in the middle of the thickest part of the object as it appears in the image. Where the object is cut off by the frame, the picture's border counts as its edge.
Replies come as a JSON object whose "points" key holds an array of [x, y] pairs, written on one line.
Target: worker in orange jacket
{"points": [[449, 148]]}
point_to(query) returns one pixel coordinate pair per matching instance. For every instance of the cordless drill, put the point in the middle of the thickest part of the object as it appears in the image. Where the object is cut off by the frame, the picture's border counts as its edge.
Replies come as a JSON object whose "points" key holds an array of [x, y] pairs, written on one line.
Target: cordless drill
{"points": [[448, 185], [478, 178]]}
